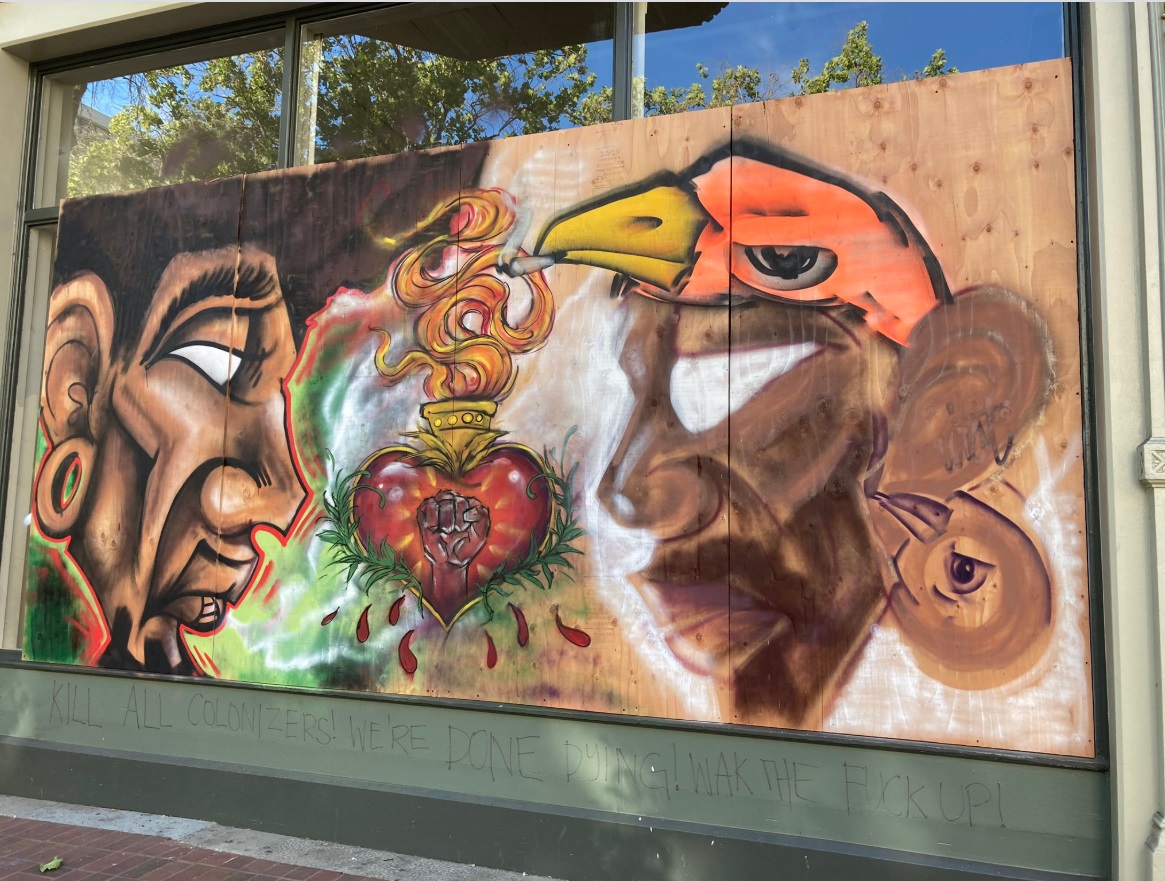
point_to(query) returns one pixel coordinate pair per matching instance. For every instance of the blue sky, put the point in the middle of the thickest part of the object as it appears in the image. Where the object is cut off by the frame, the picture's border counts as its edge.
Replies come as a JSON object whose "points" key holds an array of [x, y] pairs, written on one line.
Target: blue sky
{"points": [[774, 36]]}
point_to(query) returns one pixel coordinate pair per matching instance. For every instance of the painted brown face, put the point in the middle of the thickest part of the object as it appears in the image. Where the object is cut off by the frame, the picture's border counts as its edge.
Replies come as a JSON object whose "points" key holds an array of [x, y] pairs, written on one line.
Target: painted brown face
{"points": [[186, 453], [854, 373], [748, 473]]}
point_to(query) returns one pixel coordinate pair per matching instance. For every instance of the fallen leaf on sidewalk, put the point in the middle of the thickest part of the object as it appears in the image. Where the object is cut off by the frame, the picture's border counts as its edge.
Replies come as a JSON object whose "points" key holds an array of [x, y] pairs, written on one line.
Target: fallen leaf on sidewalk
{"points": [[54, 863]]}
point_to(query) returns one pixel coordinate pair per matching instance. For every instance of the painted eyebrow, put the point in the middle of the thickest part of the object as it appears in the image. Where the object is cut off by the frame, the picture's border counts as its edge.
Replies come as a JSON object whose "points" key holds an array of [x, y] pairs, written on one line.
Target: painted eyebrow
{"points": [[254, 283]]}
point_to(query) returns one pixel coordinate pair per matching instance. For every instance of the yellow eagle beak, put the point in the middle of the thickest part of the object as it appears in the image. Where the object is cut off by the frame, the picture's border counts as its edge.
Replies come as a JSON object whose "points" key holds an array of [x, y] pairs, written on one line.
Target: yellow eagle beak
{"points": [[650, 235]]}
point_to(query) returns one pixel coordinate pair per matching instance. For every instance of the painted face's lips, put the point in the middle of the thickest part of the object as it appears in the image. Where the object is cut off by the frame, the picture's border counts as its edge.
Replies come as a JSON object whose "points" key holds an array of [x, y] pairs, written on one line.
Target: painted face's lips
{"points": [[210, 580], [709, 625]]}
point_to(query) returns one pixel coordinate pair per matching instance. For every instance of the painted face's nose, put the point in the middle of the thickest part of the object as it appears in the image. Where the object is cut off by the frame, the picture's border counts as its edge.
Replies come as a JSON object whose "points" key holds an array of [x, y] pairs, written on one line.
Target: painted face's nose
{"points": [[236, 498], [257, 482], [654, 483], [662, 477]]}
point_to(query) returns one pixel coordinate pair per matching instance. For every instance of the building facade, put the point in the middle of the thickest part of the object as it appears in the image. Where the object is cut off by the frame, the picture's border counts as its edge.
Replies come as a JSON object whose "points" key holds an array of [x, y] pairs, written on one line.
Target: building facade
{"points": [[443, 430]]}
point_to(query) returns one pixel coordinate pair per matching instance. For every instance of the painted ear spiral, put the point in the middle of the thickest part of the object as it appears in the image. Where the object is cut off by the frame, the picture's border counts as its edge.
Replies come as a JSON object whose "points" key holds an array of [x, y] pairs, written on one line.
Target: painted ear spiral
{"points": [[974, 600]]}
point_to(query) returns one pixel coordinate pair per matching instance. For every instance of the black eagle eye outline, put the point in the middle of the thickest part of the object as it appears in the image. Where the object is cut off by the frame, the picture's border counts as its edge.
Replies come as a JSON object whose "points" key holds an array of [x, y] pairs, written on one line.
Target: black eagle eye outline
{"points": [[785, 267]]}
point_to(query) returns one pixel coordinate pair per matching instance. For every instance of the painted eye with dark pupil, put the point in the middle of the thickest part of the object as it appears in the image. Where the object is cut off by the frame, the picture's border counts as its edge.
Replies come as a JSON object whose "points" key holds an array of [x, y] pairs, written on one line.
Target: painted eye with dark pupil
{"points": [[780, 262], [962, 569]]}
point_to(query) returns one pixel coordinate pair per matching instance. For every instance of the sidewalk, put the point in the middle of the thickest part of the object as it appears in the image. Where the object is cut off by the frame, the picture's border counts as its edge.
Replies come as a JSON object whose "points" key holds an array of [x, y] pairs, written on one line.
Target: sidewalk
{"points": [[98, 844]]}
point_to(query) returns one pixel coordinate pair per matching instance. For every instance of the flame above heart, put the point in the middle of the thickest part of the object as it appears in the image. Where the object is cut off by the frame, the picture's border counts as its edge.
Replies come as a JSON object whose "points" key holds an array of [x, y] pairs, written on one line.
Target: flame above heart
{"points": [[465, 338]]}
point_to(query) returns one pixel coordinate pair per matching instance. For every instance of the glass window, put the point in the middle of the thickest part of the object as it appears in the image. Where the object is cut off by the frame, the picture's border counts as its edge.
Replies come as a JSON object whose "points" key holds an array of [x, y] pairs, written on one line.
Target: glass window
{"points": [[755, 51], [393, 80], [206, 112]]}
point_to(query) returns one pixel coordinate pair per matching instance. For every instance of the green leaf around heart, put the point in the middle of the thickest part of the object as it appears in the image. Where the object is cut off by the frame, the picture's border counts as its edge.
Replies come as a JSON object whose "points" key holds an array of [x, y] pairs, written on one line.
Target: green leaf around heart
{"points": [[373, 564], [542, 565]]}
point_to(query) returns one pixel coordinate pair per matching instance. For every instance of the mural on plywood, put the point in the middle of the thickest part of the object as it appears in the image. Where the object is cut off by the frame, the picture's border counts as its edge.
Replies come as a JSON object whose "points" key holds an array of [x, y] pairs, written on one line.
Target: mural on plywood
{"points": [[767, 415]]}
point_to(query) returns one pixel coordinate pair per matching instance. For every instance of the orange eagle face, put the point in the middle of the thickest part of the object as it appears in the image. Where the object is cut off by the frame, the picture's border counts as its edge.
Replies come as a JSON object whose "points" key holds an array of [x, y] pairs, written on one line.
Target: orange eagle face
{"points": [[769, 228]]}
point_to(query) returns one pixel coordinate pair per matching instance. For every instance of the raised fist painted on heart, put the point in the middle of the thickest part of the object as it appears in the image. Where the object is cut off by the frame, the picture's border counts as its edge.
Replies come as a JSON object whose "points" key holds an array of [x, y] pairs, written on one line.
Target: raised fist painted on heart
{"points": [[453, 529]]}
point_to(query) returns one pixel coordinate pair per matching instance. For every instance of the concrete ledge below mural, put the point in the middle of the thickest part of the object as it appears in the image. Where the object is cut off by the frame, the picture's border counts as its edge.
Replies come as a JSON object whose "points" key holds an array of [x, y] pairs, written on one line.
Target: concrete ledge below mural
{"points": [[613, 790]]}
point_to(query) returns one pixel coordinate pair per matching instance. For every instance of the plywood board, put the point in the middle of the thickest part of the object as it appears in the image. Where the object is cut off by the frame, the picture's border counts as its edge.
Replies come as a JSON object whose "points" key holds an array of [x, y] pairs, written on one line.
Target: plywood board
{"points": [[765, 415]]}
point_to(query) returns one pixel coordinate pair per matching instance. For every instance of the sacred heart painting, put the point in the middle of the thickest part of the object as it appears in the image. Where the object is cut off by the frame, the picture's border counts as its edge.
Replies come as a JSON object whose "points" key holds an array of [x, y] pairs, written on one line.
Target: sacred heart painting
{"points": [[766, 415], [419, 502]]}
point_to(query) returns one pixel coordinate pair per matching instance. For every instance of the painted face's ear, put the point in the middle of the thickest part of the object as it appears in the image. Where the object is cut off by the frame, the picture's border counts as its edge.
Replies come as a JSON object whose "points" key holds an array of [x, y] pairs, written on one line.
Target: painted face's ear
{"points": [[77, 352], [976, 374]]}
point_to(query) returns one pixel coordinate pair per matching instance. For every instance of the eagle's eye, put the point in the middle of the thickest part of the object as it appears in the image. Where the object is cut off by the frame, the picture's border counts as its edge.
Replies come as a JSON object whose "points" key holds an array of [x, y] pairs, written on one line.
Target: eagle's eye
{"points": [[785, 267]]}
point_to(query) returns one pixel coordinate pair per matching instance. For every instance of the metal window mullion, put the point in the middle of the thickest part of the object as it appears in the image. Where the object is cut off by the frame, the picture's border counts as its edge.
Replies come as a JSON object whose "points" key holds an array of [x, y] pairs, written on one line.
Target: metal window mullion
{"points": [[41, 216], [289, 100], [31, 158], [623, 61]]}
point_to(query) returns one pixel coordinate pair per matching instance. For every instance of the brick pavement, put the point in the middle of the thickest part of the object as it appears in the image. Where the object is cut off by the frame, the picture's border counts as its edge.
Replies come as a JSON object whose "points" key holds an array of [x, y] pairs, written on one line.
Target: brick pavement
{"points": [[103, 854]]}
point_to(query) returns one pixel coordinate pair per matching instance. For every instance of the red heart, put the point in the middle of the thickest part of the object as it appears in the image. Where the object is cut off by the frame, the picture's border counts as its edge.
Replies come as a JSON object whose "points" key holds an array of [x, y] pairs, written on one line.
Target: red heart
{"points": [[499, 482]]}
